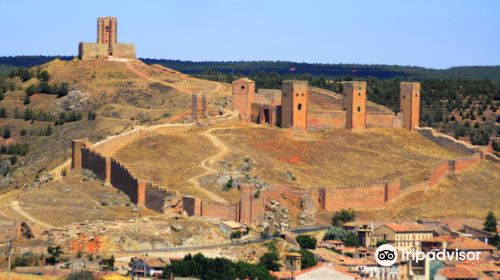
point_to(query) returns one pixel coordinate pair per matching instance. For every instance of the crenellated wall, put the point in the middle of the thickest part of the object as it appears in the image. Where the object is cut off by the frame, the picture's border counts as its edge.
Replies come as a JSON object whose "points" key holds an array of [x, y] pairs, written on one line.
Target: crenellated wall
{"points": [[122, 179], [94, 161], [226, 211], [154, 196], [364, 196], [97, 159]]}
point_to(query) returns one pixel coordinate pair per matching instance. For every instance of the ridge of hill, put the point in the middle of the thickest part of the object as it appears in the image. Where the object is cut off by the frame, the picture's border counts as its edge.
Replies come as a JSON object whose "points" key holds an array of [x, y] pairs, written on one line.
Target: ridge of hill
{"points": [[333, 70]]}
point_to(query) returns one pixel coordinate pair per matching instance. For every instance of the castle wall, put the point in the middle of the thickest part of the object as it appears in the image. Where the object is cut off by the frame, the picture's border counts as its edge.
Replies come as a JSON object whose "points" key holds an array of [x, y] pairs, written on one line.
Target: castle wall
{"points": [[122, 179], [225, 211], [379, 119], [461, 164], [438, 173], [155, 196], [447, 141], [269, 96], [368, 196], [124, 50], [91, 51], [191, 205], [93, 161], [111, 145], [327, 102], [321, 120]]}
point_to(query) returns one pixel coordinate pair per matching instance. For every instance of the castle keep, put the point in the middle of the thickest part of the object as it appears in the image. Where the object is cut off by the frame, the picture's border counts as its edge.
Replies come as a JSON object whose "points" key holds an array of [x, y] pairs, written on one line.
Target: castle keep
{"points": [[107, 42], [304, 108]]}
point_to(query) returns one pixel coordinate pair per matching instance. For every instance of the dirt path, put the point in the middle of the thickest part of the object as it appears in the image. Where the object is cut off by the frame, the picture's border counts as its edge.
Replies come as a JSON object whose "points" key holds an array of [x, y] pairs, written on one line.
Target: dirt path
{"points": [[146, 76], [15, 206], [205, 164]]}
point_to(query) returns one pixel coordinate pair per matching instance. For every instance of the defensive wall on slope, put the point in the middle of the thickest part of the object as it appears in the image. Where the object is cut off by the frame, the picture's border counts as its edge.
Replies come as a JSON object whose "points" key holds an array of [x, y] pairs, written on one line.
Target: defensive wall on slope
{"points": [[99, 159]]}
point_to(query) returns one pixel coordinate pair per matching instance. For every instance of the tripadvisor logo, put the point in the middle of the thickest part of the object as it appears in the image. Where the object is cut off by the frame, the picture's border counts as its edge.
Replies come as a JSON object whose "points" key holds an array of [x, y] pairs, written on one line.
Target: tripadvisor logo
{"points": [[387, 255]]}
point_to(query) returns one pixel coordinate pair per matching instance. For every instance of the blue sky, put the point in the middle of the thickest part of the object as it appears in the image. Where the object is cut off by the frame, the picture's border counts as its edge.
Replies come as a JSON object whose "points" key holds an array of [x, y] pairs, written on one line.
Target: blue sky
{"points": [[438, 34]]}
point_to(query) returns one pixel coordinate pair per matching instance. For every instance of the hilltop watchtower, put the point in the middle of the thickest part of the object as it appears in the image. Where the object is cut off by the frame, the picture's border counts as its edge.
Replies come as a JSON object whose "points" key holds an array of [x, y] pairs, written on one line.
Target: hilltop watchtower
{"points": [[354, 103], [294, 104], [107, 42], [410, 104], [107, 32]]}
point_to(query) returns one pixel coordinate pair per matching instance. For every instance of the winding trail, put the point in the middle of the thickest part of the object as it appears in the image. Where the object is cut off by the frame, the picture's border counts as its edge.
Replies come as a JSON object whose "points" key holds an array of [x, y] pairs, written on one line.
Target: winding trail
{"points": [[15, 205], [205, 164]]}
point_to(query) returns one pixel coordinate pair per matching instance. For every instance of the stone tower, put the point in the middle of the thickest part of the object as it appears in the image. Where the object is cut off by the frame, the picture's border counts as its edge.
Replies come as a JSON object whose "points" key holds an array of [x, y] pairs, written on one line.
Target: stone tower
{"points": [[294, 104], [354, 103], [410, 104], [243, 97], [199, 106], [107, 32], [76, 152]]}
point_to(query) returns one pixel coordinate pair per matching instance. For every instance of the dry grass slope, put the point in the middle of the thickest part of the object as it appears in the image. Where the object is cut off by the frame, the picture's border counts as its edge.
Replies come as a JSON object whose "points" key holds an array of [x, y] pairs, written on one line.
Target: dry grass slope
{"points": [[337, 157], [168, 159]]}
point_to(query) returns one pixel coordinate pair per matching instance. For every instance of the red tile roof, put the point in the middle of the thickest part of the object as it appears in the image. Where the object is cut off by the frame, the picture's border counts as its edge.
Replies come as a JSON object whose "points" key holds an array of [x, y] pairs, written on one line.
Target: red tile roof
{"points": [[408, 227], [463, 243], [459, 272], [328, 266]]}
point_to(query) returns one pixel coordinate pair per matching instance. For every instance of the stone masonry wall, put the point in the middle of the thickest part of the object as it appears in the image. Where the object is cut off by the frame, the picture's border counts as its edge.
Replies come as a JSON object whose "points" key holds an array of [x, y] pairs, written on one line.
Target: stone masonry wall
{"points": [[122, 179], [124, 50], [155, 196], [94, 161], [226, 211], [447, 141], [91, 51], [379, 119], [321, 120]]}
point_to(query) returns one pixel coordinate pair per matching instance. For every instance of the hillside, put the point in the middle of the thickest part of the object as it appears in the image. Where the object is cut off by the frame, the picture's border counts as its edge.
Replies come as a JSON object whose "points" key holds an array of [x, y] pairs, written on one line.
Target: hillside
{"points": [[470, 194], [121, 93], [337, 157]]}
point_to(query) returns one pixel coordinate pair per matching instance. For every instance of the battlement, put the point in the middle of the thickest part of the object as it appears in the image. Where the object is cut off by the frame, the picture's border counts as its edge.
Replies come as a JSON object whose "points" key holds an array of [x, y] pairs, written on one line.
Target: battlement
{"points": [[358, 186], [167, 191]]}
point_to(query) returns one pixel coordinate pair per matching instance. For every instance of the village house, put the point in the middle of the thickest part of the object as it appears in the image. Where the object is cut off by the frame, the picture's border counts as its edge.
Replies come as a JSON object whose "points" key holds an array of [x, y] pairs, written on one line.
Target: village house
{"points": [[148, 267], [403, 236], [478, 234]]}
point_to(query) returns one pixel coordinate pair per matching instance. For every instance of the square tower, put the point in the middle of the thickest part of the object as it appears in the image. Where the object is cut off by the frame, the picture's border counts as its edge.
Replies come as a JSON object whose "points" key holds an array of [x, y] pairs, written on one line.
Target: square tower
{"points": [[199, 106], [243, 97], [410, 104], [107, 32], [294, 104], [354, 103]]}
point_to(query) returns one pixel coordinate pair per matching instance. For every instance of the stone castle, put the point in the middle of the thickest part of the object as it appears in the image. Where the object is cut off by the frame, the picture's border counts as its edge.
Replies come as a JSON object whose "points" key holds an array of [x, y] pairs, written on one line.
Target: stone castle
{"points": [[297, 107], [107, 42], [289, 107]]}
